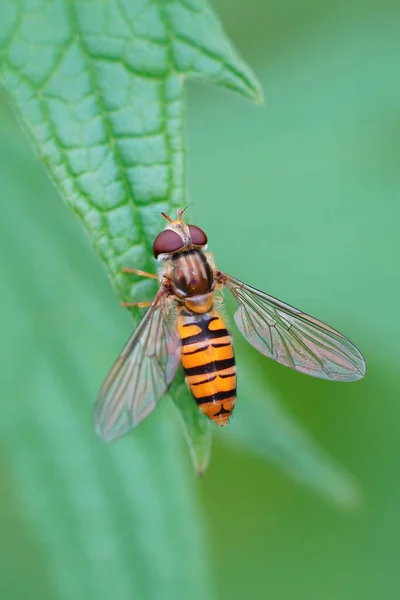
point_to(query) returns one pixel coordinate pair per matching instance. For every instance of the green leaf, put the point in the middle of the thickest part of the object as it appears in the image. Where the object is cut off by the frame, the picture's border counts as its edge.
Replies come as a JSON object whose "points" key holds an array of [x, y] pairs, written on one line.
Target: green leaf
{"points": [[197, 428], [88, 520], [99, 88]]}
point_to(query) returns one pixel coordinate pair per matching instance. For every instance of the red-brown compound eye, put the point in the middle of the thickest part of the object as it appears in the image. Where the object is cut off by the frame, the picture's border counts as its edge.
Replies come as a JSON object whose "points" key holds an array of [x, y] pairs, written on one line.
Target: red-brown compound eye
{"points": [[166, 242], [198, 236]]}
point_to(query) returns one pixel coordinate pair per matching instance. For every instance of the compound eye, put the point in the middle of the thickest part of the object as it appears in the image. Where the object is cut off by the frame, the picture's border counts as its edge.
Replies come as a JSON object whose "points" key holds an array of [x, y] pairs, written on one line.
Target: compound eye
{"points": [[198, 236], [167, 242]]}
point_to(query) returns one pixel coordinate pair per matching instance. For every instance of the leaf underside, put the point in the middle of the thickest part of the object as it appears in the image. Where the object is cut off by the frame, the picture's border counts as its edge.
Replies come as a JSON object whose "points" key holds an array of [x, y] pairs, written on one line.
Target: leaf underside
{"points": [[99, 88]]}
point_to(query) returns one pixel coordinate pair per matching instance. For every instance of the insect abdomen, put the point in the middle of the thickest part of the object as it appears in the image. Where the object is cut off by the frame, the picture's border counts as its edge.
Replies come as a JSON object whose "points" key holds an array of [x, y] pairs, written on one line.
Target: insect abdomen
{"points": [[209, 363]]}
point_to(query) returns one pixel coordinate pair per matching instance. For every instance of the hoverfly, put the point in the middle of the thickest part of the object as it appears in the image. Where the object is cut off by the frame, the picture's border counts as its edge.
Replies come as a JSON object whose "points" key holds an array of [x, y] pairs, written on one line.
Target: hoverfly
{"points": [[182, 324]]}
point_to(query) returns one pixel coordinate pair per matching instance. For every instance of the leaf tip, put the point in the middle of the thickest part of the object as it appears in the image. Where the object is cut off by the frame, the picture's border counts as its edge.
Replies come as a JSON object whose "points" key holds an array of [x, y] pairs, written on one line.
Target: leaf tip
{"points": [[200, 463], [195, 426], [200, 451], [250, 88], [200, 470]]}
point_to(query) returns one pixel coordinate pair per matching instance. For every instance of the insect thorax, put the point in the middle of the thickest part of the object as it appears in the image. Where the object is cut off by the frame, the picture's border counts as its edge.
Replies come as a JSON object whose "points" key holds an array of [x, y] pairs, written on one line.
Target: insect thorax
{"points": [[191, 274]]}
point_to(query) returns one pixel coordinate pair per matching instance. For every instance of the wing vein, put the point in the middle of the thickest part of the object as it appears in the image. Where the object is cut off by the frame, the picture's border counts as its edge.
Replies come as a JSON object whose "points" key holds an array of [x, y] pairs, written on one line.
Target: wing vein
{"points": [[293, 338], [142, 373]]}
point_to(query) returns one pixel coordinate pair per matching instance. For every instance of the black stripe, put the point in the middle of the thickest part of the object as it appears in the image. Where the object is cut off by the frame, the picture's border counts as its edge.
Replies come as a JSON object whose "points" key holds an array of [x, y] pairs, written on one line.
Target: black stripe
{"points": [[204, 335], [205, 381], [217, 396], [186, 313], [224, 376], [203, 324], [221, 345], [211, 367], [194, 351], [223, 412]]}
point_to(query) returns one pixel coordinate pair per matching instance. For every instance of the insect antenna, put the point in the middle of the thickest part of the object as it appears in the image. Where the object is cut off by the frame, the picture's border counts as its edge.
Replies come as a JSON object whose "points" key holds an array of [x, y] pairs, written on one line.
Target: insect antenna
{"points": [[182, 210], [166, 217]]}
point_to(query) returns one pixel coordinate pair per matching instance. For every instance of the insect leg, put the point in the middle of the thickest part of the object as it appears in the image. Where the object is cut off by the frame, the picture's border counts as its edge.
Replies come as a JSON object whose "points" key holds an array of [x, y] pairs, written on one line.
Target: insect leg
{"points": [[139, 272], [131, 304]]}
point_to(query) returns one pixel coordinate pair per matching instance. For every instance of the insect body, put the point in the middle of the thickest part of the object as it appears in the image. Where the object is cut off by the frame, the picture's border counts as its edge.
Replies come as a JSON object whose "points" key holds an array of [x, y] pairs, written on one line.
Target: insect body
{"points": [[206, 346], [183, 325]]}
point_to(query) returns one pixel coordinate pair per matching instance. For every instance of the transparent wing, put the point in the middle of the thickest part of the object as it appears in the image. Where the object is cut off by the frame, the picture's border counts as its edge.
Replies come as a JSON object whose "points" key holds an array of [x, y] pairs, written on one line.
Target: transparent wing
{"points": [[292, 337], [141, 374]]}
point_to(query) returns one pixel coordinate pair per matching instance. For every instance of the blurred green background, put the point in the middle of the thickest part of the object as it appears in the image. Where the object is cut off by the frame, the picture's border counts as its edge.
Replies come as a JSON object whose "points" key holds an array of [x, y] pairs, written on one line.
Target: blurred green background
{"points": [[299, 198]]}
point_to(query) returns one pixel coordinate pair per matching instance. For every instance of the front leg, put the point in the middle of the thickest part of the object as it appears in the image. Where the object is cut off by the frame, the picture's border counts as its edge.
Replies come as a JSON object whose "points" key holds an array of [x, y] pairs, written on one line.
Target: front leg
{"points": [[131, 304], [139, 272]]}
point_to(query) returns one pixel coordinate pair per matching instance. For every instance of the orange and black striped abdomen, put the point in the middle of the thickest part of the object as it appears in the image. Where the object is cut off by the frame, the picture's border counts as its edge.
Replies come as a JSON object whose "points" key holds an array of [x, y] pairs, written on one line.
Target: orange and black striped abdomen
{"points": [[209, 363]]}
